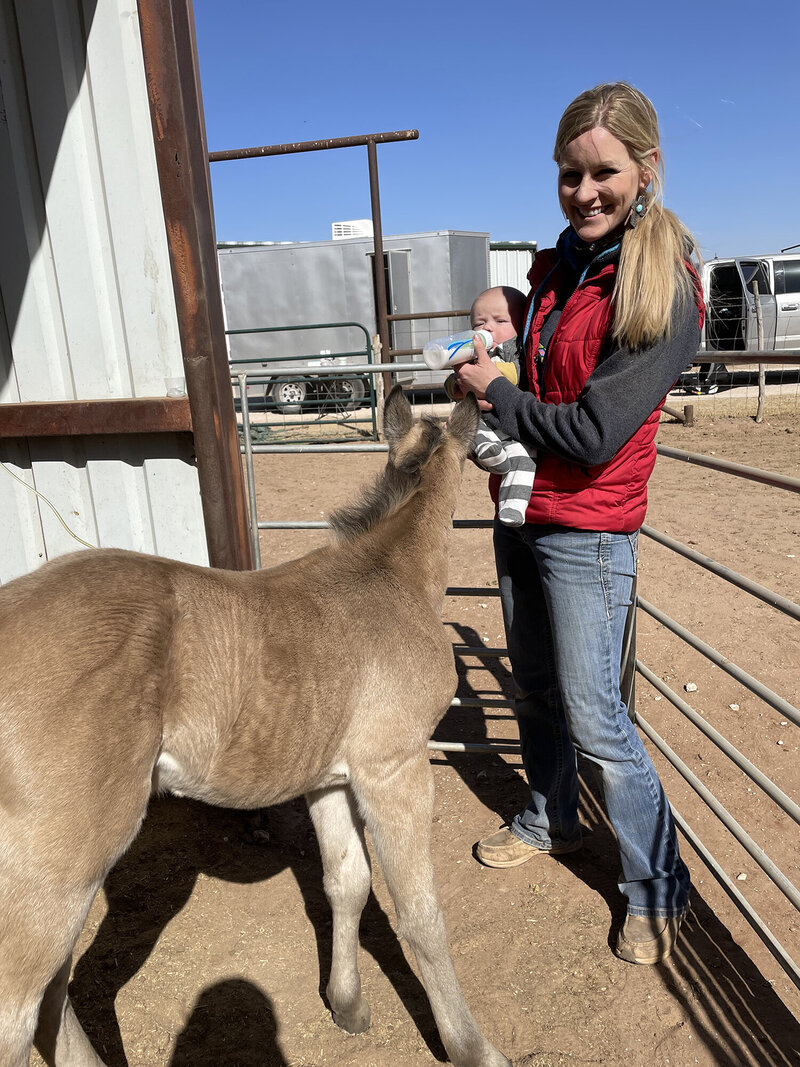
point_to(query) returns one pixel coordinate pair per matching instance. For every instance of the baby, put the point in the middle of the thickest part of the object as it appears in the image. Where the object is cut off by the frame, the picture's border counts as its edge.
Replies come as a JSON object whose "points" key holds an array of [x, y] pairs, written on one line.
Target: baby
{"points": [[500, 310]]}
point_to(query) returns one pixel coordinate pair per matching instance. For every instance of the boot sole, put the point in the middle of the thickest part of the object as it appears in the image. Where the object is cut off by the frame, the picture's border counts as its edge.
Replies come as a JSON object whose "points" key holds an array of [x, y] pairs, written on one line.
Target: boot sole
{"points": [[499, 864]]}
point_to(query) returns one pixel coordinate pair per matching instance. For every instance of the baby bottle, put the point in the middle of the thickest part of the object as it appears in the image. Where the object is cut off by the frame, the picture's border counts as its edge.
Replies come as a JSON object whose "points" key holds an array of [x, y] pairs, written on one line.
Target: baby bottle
{"points": [[457, 348]]}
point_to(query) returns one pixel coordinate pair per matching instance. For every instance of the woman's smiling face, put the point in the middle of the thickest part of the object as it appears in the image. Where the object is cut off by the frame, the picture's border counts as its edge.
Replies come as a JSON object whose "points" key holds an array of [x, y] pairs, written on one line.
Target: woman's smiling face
{"points": [[598, 181]]}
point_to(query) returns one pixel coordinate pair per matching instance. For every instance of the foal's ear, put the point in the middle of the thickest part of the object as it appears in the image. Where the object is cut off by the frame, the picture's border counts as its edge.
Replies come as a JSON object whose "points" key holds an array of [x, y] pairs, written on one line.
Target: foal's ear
{"points": [[397, 416], [463, 422]]}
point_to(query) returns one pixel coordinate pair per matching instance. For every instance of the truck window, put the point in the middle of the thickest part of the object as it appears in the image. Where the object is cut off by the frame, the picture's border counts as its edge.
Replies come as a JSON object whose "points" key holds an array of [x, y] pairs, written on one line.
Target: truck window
{"points": [[787, 276], [754, 270]]}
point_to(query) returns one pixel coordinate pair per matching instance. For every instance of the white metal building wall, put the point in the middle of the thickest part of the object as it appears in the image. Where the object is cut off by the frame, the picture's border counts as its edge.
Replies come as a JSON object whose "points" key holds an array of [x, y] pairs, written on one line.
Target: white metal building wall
{"points": [[87, 303], [510, 267]]}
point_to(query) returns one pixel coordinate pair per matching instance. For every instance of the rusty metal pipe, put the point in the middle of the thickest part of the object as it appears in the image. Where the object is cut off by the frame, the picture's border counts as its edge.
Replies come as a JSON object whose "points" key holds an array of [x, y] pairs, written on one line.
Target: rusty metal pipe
{"points": [[313, 146], [381, 308]]}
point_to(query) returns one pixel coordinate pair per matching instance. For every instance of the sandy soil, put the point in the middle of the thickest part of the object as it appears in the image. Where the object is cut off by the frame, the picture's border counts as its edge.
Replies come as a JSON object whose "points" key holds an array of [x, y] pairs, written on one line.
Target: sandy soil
{"points": [[211, 942]]}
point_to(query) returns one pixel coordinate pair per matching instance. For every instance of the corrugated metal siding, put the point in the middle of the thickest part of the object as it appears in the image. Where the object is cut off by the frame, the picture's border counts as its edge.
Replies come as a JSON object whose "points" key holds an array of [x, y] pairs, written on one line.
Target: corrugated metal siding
{"points": [[87, 301], [510, 267]]}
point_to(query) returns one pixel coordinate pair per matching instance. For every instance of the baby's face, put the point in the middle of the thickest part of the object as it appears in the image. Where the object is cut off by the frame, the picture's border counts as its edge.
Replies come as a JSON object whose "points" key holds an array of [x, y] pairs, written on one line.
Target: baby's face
{"points": [[490, 312]]}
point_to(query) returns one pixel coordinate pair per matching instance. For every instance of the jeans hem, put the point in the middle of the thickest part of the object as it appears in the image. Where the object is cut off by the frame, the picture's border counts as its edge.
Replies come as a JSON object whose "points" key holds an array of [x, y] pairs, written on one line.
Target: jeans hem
{"points": [[658, 913], [554, 846]]}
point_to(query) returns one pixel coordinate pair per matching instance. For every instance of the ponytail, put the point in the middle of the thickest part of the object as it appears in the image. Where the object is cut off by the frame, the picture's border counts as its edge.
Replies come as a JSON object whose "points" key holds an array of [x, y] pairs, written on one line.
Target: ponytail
{"points": [[652, 273]]}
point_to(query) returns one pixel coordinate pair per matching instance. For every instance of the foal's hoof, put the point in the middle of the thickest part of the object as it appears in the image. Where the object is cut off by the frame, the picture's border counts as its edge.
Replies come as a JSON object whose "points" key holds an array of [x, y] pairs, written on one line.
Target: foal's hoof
{"points": [[354, 1020]]}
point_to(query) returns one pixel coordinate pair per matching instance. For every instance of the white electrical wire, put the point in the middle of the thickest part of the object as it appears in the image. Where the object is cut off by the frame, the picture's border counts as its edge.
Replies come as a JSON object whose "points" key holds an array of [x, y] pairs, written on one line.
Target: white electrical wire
{"points": [[51, 506]]}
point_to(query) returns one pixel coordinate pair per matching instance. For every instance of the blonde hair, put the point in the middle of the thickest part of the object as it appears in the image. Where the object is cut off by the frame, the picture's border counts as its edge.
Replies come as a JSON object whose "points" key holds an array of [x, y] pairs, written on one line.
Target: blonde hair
{"points": [[652, 259]]}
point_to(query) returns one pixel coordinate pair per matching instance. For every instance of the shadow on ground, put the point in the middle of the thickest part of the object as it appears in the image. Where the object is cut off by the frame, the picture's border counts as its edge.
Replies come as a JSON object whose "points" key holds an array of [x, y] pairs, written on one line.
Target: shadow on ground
{"points": [[152, 882]]}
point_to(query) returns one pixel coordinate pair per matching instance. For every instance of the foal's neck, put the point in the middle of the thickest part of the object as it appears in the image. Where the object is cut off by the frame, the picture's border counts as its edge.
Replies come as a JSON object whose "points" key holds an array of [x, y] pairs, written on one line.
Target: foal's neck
{"points": [[416, 538]]}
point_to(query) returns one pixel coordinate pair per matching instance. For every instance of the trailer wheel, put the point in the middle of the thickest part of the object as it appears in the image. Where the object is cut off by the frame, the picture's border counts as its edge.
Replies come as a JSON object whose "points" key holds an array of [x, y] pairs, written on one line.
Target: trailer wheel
{"points": [[349, 392], [288, 395]]}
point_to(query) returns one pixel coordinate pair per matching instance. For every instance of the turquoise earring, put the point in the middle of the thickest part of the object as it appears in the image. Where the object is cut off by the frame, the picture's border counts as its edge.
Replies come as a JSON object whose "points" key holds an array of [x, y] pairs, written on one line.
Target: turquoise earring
{"points": [[638, 210]]}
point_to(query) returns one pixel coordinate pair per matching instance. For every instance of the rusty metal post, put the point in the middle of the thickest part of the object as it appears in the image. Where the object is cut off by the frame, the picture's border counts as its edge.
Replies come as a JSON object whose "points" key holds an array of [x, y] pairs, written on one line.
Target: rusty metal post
{"points": [[176, 112], [381, 309]]}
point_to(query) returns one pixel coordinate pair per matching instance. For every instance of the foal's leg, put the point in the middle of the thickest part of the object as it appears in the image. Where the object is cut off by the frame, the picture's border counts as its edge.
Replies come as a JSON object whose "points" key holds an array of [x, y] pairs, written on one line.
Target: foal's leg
{"points": [[398, 809], [346, 867], [39, 926], [60, 1038]]}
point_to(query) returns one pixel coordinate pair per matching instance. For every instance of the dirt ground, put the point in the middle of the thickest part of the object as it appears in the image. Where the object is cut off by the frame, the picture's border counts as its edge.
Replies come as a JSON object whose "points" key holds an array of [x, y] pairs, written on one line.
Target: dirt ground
{"points": [[211, 942]]}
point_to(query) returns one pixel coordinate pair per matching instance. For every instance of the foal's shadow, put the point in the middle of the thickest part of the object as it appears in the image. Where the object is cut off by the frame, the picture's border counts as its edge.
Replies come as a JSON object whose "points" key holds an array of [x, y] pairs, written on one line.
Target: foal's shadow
{"points": [[153, 881], [488, 775], [501, 785]]}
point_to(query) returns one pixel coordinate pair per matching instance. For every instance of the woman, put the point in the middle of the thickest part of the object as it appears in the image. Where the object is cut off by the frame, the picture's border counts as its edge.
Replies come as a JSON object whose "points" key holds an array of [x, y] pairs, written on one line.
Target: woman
{"points": [[613, 318]]}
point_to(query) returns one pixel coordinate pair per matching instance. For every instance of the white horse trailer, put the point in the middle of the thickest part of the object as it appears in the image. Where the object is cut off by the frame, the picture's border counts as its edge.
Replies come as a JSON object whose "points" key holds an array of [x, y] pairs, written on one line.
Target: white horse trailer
{"points": [[282, 287]]}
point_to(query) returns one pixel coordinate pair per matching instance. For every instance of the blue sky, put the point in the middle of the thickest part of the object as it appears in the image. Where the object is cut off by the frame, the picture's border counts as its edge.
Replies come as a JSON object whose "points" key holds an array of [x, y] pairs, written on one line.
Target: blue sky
{"points": [[485, 86]]}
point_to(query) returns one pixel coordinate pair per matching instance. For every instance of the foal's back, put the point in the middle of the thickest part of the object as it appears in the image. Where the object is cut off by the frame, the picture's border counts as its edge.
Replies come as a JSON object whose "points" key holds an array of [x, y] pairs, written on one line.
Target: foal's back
{"points": [[123, 666]]}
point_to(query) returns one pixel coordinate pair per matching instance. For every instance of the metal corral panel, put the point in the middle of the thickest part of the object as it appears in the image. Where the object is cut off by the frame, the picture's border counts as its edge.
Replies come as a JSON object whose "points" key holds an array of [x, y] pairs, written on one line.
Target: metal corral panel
{"points": [[509, 265], [291, 284], [86, 287]]}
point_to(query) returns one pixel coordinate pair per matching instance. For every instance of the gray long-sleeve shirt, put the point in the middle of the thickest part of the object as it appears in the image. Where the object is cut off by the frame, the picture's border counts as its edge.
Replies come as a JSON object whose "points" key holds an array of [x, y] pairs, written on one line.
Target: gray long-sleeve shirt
{"points": [[624, 388]]}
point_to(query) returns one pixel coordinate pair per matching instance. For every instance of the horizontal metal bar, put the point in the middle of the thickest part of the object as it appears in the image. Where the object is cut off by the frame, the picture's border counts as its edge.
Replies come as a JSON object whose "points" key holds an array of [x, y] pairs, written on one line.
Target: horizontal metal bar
{"points": [[479, 651], [398, 365], [347, 369], [74, 418], [757, 853], [305, 326], [360, 446], [741, 902], [301, 370], [754, 474], [472, 748], [316, 525], [747, 680], [472, 590], [313, 146], [786, 357], [322, 525], [722, 743], [481, 702], [788, 607], [428, 315]]}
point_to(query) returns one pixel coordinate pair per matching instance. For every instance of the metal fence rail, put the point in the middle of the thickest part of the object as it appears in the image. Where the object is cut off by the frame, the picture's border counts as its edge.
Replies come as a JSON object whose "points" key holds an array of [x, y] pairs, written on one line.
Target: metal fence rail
{"points": [[770, 789], [745, 840], [741, 902], [760, 690]]}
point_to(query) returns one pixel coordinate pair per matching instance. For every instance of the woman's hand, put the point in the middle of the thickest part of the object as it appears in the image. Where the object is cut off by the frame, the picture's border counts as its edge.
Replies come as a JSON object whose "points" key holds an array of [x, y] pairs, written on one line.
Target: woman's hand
{"points": [[475, 377]]}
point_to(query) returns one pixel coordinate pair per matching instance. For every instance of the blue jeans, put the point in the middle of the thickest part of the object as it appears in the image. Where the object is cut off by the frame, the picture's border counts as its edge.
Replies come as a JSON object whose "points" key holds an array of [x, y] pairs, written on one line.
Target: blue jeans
{"points": [[565, 595]]}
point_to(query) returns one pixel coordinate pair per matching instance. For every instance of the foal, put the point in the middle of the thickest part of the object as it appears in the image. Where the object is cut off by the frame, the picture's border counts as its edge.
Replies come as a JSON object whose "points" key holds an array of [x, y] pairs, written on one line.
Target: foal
{"points": [[123, 674]]}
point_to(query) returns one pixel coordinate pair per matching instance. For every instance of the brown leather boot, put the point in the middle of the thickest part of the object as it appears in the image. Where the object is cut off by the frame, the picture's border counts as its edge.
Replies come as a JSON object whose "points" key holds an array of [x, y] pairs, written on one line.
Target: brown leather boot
{"points": [[648, 939], [504, 849]]}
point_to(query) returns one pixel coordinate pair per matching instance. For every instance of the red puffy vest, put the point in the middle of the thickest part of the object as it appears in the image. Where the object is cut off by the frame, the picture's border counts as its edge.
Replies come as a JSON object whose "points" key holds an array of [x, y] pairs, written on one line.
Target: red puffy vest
{"points": [[611, 496]]}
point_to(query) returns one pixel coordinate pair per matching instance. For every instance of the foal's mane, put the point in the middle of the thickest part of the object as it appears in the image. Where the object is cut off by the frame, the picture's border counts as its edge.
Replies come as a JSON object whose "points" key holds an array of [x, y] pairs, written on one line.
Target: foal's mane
{"points": [[394, 486]]}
